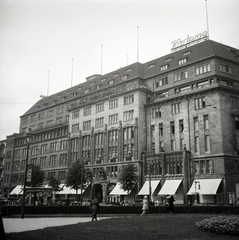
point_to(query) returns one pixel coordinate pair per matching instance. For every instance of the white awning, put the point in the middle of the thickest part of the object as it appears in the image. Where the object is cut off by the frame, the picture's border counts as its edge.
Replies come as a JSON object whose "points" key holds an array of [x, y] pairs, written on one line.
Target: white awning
{"points": [[170, 187], [207, 187], [69, 190], [118, 190], [145, 189], [17, 190]]}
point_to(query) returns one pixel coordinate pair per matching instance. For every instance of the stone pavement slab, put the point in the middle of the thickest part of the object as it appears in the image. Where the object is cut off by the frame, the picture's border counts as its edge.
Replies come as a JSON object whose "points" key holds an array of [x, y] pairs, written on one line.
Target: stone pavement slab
{"points": [[28, 224]]}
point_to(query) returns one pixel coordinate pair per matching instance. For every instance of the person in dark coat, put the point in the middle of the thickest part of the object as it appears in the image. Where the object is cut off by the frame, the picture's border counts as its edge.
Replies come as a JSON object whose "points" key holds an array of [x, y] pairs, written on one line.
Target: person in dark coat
{"points": [[170, 201], [95, 207]]}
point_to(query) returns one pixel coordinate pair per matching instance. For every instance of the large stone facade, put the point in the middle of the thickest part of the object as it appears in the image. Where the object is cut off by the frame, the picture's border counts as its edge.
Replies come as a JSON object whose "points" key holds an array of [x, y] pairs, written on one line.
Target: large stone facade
{"points": [[178, 113]]}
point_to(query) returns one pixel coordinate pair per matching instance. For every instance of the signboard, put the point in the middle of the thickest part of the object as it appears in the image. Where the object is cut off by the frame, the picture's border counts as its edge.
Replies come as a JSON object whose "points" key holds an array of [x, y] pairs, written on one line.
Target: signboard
{"points": [[189, 41], [29, 173]]}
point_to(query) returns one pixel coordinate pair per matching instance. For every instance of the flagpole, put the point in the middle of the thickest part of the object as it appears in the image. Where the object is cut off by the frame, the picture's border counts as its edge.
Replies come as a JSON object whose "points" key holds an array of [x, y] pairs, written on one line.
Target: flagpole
{"points": [[48, 83], [207, 18], [101, 58], [72, 72], [137, 43]]}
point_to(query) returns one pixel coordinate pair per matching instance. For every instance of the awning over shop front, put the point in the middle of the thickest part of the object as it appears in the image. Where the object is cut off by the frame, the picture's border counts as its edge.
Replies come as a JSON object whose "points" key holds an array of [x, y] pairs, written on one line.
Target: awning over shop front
{"points": [[118, 190], [17, 190], [69, 190], [207, 187], [170, 187], [145, 189]]}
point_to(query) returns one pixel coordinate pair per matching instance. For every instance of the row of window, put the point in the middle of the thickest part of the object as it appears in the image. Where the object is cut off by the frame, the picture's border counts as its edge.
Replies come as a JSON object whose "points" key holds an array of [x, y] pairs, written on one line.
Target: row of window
{"points": [[176, 108], [87, 110], [99, 122], [44, 148], [172, 166], [182, 74], [201, 69], [100, 106], [181, 130], [181, 126], [180, 61], [203, 166]]}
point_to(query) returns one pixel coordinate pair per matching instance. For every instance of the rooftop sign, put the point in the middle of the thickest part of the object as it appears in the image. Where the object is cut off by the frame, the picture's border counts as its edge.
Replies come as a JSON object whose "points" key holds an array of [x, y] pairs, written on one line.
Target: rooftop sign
{"points": [[189, 41]]}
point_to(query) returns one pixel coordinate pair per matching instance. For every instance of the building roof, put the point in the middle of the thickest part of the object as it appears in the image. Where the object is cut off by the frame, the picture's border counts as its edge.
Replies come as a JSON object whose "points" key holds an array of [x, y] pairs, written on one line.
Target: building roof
{"points": [[203, 50]]}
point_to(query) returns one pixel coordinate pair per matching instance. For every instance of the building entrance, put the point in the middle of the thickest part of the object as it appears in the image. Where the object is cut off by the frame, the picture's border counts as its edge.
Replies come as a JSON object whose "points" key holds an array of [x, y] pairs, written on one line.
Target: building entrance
{"points": [[98, 190]]}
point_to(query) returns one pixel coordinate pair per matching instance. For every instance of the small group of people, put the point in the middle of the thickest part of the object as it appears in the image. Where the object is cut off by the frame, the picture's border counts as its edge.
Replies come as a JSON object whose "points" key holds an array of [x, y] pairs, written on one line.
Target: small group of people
{"points": [[170, 205], [95, 206]]}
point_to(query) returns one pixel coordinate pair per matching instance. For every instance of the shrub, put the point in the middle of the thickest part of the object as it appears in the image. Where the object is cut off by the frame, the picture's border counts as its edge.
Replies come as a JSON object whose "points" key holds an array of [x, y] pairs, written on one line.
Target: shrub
{"points": [[228, 225]]}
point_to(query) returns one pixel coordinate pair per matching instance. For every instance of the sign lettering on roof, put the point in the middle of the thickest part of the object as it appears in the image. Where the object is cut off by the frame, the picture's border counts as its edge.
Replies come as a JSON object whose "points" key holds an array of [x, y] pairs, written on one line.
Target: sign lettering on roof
{"points": [[188, 41]]}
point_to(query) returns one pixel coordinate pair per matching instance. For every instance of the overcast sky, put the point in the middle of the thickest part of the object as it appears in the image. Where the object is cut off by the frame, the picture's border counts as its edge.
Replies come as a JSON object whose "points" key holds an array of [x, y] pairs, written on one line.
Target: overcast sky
{"points": [[39, 39]]}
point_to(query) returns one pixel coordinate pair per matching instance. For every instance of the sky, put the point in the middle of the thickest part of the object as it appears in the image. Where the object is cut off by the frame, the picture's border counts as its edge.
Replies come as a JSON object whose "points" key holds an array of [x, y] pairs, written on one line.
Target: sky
{"points": [[47, 46]]}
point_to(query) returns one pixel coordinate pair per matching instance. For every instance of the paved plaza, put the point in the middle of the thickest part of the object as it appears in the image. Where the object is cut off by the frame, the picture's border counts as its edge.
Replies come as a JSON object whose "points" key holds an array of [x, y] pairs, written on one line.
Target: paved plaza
{"points": [[27, 224]]}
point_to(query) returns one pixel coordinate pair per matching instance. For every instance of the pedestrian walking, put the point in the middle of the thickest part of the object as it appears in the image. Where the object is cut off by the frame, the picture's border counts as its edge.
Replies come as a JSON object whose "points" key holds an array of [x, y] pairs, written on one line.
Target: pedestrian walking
{"points": [[170, 201], [145, 206], [94, 207]]}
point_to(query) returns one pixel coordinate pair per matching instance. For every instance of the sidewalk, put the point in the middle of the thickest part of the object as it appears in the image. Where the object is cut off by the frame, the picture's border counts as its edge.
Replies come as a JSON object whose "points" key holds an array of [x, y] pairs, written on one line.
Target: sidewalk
{"points": [[28, 224]]}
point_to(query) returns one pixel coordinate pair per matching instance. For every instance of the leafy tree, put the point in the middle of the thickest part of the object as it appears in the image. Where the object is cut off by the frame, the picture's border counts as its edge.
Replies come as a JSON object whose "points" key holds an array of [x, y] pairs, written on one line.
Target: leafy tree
{"points": [[76, 176], [53, 182], [128, 177], [37, 178]]}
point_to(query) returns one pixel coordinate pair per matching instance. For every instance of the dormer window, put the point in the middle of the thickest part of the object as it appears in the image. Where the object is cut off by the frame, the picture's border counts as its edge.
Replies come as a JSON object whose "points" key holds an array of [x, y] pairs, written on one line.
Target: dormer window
{"points": [[111, 82], [125, 77], [86, 91], [97, 87], [186, 53], [164, 67], [182, 61], [151, 65]]}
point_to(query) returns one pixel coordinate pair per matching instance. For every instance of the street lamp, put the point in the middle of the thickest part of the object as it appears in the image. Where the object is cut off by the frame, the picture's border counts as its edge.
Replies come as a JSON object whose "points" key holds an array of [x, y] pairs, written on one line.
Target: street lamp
{"points": [[151, 168], [196, 182], [27, 136], [82, 177]]}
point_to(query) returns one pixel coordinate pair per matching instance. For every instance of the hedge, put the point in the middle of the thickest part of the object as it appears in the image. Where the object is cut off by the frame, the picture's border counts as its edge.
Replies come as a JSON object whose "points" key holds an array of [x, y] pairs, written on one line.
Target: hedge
{"points": [[8, 211]]}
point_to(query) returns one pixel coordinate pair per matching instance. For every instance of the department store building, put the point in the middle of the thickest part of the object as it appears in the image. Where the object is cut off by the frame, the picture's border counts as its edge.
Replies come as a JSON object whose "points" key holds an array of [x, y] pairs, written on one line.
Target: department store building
{"points": [[176, 118]]}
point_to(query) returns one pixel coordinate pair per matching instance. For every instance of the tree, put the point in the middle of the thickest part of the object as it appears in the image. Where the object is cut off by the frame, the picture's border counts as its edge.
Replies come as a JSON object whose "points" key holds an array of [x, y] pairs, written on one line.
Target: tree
{"points": [[76, 177], [128, 177], [37, 177], [53, 182]]}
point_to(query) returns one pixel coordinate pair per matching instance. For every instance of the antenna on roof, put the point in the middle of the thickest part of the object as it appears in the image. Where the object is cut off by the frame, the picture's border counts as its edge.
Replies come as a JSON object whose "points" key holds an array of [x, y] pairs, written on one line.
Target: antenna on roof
{"points": [[48, 83], [137, 43], [207, 19], [72, 72], [101, 58], [126, 59]]}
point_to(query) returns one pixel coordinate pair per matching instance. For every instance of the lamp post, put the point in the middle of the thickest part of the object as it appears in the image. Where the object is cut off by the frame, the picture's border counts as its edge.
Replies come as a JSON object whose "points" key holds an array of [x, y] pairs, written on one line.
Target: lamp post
{"points": [[81, 185], [151, 168], [82, 178], [27, 136], [196, 182]]}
